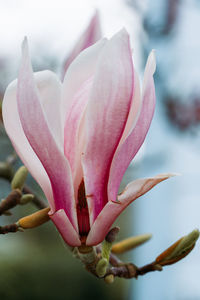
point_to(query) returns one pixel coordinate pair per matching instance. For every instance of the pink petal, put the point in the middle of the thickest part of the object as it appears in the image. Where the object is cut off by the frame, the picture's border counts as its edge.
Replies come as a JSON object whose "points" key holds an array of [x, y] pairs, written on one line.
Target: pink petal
{"points": [[129, 148], [41, 139], [74, 135], [134, 110], [50, 87], [16, 134], [82, 68], [90, 36], [112, 210], [65, 228], [106, 117]]}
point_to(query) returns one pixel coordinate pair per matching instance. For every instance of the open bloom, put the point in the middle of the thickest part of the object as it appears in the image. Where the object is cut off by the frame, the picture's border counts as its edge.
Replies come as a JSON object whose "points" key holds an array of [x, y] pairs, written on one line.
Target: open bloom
{"points": [[78, 138]]}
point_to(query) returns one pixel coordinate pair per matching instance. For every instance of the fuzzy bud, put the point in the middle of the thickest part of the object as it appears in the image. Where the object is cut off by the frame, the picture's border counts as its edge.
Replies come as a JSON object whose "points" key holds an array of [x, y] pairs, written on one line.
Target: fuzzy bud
{"points": [[109, 278], [34, 220], [130, 243], [19, 178], [111, 235], [26, 199], [178, 250], [101, 267]]}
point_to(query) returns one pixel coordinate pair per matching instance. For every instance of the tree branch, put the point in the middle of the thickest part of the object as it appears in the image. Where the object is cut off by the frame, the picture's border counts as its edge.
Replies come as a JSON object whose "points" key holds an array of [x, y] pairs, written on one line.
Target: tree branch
{"points": [[10, 201], [9, 228]]}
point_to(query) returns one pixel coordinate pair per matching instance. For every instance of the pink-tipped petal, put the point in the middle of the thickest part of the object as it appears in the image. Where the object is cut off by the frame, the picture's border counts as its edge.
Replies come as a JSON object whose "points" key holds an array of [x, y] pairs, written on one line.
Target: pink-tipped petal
{"points": [[82, 68], [41, 139], [49, 87], [139, 187], [129, 148], [16, 134], [65, 228], [74, 135], [112, 210], [106, 117], [134, 110], [90, 36]]}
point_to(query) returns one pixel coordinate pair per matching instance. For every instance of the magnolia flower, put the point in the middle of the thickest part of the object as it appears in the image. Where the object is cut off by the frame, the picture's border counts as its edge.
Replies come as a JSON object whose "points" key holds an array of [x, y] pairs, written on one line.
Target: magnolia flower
{"points": [[78, 138], [90, 36]]}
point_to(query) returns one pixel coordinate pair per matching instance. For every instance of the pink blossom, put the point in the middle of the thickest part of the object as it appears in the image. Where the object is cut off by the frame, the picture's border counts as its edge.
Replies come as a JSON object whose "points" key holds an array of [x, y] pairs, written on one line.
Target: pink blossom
{"points": [[90, 36], [78, 137]]}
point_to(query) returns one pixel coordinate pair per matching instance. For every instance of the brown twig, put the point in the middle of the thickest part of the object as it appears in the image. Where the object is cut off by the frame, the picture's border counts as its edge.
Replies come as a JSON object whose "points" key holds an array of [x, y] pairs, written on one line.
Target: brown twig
{"points": [[14, 197], [129, 270], [115, 261], [125, 271], [8, 228], [149, 268], [10, 201]]}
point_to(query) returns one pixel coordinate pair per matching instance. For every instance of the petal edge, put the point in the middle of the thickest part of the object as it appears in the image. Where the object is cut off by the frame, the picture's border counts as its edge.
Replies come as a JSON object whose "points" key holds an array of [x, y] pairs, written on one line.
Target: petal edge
{"points": [[113, 209]]}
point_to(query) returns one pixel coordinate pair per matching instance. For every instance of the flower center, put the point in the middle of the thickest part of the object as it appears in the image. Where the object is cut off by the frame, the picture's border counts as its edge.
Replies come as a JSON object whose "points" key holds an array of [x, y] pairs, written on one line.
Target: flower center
{"points": [[82, 213]]}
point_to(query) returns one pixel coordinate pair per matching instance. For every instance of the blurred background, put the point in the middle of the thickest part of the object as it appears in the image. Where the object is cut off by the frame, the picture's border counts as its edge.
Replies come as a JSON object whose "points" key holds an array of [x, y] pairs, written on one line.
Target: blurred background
{"points": [[36, 264]]}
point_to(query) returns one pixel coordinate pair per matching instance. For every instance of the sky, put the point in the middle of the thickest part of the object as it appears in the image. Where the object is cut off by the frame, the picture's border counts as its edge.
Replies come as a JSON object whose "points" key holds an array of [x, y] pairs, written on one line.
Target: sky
{"points": [[56, 25]]}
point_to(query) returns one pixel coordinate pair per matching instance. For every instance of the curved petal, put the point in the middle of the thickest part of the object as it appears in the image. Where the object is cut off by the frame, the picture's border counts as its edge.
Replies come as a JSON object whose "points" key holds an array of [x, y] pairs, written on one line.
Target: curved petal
{"points": [[90, 36], [74, 134], [82, 68], [112, 210], [72, 125], [16, 134], [65, 228], [106, 117], [134, 110], [49, 87], [129, 148], [41, 139]]}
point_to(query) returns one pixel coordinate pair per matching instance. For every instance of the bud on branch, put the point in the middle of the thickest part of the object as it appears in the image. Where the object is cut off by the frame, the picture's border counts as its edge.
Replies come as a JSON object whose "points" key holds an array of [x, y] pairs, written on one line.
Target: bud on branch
{"points": [[178, 250]]}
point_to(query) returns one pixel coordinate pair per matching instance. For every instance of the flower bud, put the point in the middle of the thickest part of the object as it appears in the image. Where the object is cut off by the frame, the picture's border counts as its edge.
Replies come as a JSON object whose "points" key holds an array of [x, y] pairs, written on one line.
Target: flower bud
{"points": [[179, 249], [101, 267], [34, 220], [19, 178], [109, 278], [26, 199], [130, 243], [111, 235]]}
